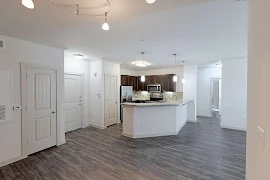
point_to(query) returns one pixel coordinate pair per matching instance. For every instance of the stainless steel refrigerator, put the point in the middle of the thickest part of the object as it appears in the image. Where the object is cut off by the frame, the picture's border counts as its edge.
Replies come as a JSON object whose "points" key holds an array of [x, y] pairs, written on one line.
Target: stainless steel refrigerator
{"points": [[126, 93]]}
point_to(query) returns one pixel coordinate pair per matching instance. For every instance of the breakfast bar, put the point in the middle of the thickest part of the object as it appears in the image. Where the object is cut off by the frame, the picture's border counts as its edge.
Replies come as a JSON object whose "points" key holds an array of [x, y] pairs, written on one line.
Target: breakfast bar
{"points": [[153, 119]]}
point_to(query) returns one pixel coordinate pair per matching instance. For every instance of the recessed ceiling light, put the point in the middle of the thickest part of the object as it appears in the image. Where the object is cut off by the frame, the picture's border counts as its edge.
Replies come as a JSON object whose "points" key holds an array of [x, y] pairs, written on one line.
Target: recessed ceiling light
{"points": [[78, 56], [150, 1], [28, 3]]}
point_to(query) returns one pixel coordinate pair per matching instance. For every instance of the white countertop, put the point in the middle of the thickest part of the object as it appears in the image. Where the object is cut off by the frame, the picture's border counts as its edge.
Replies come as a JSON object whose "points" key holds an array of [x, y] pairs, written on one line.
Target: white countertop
{"points": [[172, 103]]}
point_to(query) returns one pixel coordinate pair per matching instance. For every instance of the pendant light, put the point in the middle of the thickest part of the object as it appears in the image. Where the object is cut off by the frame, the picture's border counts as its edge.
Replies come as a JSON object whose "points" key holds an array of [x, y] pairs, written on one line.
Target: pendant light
{"points": [[150, 1], [183, 79], [143, 76], [28, 3], [105, 26], [175, 77]]}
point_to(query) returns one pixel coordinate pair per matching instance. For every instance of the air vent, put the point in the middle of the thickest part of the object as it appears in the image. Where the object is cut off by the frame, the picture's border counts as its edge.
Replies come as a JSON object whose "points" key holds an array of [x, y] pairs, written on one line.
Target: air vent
{"points": [[1, 44], [3, 112]]}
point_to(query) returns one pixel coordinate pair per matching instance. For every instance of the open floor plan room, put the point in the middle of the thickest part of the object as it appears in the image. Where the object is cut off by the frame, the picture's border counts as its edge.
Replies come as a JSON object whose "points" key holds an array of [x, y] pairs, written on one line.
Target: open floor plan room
{"points": [[134, 89]]}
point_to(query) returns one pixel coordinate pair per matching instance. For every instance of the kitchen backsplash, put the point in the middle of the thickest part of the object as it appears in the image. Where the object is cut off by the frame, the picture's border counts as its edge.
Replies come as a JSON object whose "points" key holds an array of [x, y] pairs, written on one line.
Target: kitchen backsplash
{"points": [[141, 95], [172, 96], [167, 96]]}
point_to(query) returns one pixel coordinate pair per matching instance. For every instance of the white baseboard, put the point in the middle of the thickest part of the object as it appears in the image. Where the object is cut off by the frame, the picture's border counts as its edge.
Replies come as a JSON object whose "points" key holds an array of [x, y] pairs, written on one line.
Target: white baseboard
{"points": [[10, 161], [192, 121], [154, 135], [94, 126], [61, 143], [204, 116], [233, 128]]}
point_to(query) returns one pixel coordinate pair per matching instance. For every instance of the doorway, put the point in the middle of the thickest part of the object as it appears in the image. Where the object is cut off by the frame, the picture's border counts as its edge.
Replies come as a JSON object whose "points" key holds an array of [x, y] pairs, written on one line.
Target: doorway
{"points": [[73, 102], [216, 97], [110, 100], [39, 114]]}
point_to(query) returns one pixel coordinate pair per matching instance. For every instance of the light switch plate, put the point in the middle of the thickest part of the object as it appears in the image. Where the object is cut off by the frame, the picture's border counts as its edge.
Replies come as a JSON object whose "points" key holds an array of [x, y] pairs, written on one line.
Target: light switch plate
{"points": [[260, 135]]}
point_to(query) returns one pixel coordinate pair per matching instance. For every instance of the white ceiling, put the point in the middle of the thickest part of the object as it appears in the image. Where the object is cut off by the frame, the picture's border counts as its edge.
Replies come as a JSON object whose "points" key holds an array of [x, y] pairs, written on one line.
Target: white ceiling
{"points": [[198, 31]]}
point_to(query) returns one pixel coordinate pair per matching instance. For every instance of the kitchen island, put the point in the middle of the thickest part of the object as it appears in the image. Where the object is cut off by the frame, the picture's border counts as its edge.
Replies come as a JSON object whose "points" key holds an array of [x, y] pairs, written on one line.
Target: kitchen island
{"points": [[152, 119]]}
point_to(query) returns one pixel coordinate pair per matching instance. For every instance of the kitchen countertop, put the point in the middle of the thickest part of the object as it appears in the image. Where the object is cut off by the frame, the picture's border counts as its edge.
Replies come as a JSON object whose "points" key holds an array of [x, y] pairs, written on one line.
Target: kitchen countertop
{"points": [[164, 103]]}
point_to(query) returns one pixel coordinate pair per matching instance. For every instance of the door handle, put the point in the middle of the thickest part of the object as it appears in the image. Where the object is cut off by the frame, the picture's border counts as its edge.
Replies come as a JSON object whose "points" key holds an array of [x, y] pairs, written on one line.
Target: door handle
{"points": [[53, 112]]}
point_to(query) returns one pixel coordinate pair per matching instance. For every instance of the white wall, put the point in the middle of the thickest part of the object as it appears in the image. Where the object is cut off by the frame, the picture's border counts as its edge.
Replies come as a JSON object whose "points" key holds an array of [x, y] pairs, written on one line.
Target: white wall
{"points": [[127, 72], [190, 90], [81, 67], [97, 90], [175, 70], [22, 51], [234, 94], [258, 153], [205, 74]]}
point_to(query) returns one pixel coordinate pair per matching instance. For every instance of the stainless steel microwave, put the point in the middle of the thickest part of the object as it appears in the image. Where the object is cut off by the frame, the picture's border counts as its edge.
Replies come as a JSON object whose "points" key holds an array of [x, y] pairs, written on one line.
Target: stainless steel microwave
{"points": [[154, 88]]}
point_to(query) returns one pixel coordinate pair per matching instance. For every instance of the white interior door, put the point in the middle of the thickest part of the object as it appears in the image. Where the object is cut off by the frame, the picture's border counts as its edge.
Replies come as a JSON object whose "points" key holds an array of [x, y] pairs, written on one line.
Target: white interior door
{"points": [[73, 102], [110, 100], [41, 109]]}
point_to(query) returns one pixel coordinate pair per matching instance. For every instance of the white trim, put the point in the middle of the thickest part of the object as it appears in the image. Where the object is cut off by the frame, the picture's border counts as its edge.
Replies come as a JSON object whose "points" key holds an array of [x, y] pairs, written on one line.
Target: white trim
{"points": [[204, 116], [94, 126], [192, 121], [211, 94], [82, 93], [62, 143], [23, 67], [154, 135], [4, 163], [233, 128]]}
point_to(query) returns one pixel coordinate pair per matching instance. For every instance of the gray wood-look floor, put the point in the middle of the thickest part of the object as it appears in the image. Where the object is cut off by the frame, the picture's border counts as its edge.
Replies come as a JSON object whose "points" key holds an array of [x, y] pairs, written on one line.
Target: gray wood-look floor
{"points": [[200, 151]]}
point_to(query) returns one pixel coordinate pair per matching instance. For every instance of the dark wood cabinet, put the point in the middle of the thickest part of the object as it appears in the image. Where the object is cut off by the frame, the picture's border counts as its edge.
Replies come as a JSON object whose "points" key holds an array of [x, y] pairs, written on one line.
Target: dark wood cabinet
{"points": [[166, 82]]}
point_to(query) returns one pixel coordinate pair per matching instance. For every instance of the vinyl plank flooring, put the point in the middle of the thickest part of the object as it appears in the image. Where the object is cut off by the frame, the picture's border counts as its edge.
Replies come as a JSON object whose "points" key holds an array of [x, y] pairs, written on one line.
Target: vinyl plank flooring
{"points": [[201, 151]]}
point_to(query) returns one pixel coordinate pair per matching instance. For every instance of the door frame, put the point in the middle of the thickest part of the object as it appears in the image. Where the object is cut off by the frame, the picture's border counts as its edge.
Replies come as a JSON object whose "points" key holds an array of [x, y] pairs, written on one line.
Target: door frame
{"points": [[211, 94], [117, 99], [83, 91], [23, 67]]}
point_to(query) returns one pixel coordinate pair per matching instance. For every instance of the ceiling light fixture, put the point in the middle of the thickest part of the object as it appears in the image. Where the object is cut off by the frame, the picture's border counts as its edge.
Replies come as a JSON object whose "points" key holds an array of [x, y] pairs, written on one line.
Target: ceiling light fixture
{"points": [[141, 64], [150, 1], [105, 25], [70, 8], [143, 76], [183, 79], [175, 77], [78, 56], [28, 3]]}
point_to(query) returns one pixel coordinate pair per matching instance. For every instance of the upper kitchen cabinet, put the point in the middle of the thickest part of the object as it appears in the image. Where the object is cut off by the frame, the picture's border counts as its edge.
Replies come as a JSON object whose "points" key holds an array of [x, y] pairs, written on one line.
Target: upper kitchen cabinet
{"points": [[129, 81], [166, 82]]}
